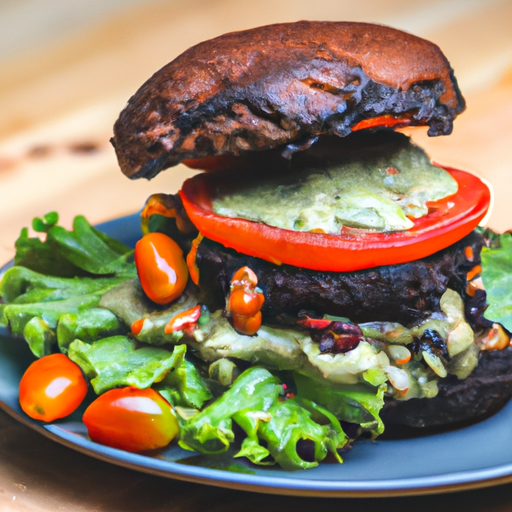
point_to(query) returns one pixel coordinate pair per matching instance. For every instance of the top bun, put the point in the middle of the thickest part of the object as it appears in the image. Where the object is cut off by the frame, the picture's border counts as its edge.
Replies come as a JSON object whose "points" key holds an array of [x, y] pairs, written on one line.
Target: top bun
{"points": [[284, 85]]}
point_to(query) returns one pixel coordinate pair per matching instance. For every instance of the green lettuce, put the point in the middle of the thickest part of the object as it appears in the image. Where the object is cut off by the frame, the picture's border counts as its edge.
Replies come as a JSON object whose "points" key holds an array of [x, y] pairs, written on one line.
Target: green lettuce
{"points": [[354, 403], [88, 325], [35, 303], [65, 274], [183, 386], [291, 422], [119, 361], [497, 279], [255, 402], [82, 251]]}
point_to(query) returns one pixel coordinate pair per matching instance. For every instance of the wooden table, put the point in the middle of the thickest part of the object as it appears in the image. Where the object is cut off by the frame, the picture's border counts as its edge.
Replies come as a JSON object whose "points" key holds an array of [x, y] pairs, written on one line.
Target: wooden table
{"points": [[59, 98]]}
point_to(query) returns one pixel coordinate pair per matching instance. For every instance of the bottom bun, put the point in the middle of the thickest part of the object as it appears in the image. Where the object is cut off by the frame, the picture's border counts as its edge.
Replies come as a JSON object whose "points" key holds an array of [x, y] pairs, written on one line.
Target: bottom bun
{"points": [[458, 403]]}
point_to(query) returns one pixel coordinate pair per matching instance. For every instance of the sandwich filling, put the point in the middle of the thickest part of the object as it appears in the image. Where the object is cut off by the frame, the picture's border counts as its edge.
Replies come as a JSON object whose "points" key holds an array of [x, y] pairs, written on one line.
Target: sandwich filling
{"points": [[378, 186]]}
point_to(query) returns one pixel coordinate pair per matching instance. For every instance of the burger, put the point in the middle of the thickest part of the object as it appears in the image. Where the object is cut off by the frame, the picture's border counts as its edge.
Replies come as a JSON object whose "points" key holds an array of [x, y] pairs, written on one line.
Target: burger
{"points": [[349, 231], [322, 273]]}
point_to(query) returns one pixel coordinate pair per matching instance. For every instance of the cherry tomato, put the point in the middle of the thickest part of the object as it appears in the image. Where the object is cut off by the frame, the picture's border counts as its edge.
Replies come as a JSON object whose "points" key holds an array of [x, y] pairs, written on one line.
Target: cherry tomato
{"points": [[52, 388], [245, 301], [450, 220], [162, 270], [245, 276], [131, 419], [247, 324], [184, 321]]}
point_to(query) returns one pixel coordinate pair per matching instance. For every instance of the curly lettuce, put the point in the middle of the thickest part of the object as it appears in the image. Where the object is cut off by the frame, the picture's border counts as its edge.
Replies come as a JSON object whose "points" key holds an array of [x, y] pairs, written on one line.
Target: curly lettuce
{"points": [[63, 274], [256, 403], [76, 292]]}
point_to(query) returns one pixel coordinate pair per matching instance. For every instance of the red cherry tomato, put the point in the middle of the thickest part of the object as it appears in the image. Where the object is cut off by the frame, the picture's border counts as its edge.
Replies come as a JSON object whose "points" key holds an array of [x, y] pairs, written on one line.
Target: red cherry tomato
{"points": [[184, 321], [131, 419], [162, 270], [52, 388]]}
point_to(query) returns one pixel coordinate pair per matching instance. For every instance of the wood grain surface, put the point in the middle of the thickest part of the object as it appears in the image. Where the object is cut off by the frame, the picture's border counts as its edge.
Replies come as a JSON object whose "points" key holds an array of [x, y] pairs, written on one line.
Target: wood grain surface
{"points": [[60, 94]]}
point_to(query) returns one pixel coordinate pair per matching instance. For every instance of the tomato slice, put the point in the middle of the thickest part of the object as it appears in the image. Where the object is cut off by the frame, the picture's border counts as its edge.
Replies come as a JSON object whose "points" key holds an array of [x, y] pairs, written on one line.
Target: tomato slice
{"points": [[449, 220], [385, 121]]}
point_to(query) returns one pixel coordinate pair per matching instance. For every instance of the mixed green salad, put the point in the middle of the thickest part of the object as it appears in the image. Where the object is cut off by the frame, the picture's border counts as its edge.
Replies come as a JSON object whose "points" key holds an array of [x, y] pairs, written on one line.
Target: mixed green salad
{"points": [[273, 395]]}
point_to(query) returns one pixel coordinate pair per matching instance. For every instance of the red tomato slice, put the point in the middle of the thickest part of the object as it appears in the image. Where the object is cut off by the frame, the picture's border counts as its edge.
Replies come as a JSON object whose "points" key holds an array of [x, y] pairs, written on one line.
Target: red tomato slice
{"points": [[450, 220]]}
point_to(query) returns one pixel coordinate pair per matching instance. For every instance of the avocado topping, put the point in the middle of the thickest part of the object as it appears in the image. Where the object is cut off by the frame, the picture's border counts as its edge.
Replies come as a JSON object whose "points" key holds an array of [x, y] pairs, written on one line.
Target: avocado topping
{"points": [[378, 181]]}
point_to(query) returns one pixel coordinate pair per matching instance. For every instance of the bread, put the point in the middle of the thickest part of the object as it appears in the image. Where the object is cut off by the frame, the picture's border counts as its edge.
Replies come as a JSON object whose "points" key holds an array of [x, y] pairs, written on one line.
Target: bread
{"points": [[284, 85]]}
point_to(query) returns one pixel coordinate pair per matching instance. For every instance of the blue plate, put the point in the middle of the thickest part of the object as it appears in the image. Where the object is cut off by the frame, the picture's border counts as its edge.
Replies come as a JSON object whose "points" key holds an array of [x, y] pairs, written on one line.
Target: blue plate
{"points": [[472, 457]]}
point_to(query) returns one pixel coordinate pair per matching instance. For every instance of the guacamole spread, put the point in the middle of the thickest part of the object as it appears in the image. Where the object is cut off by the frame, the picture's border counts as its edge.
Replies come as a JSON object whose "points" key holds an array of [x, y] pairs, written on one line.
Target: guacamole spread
{"points": [[378, 183]]}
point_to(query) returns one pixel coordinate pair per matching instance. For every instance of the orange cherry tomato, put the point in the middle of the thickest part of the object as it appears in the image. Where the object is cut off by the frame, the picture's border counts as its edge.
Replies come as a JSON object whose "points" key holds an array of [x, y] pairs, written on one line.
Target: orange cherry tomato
{"points": [[162, 270], [245, 276], [247, 324], [245, 303], [131, 419], [52, 388]]}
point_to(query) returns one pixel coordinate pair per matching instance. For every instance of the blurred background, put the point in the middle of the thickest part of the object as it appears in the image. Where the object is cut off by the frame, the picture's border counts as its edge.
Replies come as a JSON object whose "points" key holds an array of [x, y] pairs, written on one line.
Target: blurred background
{"points": [[68, 67]]}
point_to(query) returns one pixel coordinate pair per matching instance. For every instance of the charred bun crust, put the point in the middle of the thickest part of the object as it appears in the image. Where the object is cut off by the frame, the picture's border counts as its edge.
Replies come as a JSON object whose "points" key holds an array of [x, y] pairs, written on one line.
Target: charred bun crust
{"points": [[283, 85]]}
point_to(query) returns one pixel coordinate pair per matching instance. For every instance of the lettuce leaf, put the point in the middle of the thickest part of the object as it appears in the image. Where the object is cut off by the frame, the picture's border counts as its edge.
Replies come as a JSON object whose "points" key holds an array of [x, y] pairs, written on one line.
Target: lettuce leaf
{"points": [[89, 325], [251, 395], [290, 423], [353, 403], [65, 274], [35, 304], [118, 361], [497, 279], [256, 403], [183, 386], [82, 251]]}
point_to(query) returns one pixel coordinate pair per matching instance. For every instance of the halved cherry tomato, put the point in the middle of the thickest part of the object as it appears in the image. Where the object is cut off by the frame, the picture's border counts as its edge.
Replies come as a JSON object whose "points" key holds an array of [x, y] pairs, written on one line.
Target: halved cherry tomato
{"points": [[131, 419], [184, 321], [245, 276], [162, 270], [450, 219], [51, 388]]}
